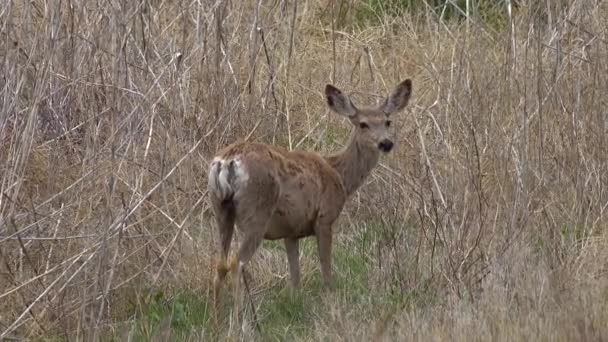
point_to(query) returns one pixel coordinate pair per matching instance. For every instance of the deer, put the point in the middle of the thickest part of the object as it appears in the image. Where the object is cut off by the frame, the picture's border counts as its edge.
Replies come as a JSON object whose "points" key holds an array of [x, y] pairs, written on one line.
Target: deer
{"points": [[269, 192]]}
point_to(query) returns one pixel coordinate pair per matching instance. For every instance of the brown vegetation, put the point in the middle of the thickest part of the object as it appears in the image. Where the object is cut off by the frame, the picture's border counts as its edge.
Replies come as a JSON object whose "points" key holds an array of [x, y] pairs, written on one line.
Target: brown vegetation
{"points": [[485, 222]]}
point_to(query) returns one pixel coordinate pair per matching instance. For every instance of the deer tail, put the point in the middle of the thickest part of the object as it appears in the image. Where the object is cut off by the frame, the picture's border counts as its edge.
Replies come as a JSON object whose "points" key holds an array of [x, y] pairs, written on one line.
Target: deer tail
{"points": [[226, 177]]}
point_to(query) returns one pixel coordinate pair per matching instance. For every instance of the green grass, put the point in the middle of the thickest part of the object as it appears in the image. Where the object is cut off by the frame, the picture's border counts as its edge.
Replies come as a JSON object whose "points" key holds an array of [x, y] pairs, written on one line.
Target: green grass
{"points": [[285, 314], [185, 313], [288, 314], [372, 12]]}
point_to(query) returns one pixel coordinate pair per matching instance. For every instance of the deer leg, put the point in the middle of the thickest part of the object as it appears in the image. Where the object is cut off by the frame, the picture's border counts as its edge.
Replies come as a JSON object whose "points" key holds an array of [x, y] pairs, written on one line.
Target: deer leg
{"points": [[293, 256], [250, 244], [225, 223], [324, 237]]}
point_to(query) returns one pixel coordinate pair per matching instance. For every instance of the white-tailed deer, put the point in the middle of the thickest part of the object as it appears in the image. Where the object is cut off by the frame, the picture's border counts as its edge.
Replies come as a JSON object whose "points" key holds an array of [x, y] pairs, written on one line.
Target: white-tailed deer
{"points": [[271, 193]]}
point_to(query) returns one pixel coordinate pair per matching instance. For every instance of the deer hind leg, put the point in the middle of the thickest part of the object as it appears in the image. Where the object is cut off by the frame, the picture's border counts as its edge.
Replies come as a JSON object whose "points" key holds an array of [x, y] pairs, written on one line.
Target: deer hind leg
{"points": [[254, 227], [224, 216], [248, 247]]}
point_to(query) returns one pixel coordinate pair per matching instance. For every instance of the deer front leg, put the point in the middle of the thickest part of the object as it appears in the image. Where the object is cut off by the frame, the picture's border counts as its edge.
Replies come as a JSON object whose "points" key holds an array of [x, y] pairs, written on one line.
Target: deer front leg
{"points": [[293, 256], [324, 237]]}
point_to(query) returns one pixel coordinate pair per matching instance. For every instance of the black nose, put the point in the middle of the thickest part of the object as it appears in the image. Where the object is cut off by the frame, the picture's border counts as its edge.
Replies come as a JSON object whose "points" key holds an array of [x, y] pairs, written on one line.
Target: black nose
{"points": [[385, 145]]}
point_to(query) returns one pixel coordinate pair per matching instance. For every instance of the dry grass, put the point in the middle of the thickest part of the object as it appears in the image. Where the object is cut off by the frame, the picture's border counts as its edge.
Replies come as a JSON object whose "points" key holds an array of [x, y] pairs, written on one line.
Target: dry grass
{"points": [[486, 223]]}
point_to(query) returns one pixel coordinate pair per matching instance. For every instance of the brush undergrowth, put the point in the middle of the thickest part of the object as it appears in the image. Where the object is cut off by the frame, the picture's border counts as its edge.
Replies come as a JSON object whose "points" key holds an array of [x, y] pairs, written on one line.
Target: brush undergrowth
{"points": [[485, 223]]}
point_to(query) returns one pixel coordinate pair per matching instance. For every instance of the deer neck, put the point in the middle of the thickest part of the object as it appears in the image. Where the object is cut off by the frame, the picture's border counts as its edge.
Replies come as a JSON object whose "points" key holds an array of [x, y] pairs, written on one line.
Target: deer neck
{"points": [[354, 162]]}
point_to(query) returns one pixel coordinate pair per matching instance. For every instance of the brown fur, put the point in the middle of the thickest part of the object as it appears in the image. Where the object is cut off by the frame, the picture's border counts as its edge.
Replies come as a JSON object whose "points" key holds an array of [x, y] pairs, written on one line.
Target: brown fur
{"points": [[271, 193]]}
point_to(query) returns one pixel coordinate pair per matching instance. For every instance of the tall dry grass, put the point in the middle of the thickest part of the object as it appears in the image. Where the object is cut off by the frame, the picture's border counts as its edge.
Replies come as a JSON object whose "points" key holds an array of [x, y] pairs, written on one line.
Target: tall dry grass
{"points": [[492, 206]]}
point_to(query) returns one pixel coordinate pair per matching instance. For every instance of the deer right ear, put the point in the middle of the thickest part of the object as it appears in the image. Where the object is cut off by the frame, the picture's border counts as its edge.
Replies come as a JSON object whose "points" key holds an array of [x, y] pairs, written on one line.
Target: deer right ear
{"points": [[398, 99], [338, 102]]}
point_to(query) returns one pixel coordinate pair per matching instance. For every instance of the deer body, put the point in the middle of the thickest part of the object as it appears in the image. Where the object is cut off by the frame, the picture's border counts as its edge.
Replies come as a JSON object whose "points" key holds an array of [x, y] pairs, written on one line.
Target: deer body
{"points": [[271, 193], [300, 186]]}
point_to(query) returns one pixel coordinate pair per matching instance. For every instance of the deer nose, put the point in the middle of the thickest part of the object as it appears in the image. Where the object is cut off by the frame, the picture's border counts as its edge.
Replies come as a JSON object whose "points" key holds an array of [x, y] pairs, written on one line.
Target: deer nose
{"points": [[385, 145]]}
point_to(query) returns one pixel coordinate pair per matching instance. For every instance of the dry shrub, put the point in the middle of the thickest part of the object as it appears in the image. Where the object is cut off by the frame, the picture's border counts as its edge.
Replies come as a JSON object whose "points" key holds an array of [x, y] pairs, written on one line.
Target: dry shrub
{"points": [[491, 206]]}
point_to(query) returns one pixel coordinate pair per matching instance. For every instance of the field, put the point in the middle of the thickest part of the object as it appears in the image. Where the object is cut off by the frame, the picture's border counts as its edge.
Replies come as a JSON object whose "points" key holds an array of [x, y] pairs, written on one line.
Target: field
{"points": [[486, 222]]}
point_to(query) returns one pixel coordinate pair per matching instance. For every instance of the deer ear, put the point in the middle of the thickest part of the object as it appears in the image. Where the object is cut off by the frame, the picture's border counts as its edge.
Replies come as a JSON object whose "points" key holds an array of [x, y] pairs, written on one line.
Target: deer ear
{"points": [[339, 102], [398, 99]]}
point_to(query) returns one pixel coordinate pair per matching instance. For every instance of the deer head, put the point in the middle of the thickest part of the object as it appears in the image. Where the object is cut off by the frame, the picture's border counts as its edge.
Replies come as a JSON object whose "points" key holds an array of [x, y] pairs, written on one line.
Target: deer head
{"points": [[372, 124]]}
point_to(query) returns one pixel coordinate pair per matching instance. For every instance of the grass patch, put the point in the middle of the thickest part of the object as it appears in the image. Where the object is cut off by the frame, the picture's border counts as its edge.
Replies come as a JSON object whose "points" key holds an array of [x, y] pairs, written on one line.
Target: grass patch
{"points": [[372, 12], [284, 314], [287, 314], [351, 274], [184, 314], [273, 245]]}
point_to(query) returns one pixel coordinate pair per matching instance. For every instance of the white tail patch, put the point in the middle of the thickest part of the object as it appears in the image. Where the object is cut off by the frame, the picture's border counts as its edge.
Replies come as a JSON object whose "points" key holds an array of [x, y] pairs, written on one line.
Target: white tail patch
{"points": [[226, 176]]}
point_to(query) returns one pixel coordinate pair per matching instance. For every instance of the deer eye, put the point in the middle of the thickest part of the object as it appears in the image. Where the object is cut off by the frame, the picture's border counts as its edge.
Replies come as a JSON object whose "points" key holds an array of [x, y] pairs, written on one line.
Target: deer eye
{"points": [[363, 125], [388, 123]]}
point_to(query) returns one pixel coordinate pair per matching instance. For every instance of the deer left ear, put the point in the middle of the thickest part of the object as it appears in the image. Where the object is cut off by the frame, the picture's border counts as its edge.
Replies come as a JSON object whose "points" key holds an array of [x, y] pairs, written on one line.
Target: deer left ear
{"points": [[339, 102], [398, 99]]}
